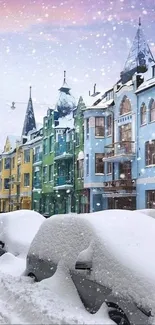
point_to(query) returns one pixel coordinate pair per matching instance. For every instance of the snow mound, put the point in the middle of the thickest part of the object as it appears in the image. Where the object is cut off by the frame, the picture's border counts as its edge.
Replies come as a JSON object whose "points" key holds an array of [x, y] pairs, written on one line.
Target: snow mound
{"points": [[62, 286], [9, 264], [148, 212], [120, 243], [17, 230]]}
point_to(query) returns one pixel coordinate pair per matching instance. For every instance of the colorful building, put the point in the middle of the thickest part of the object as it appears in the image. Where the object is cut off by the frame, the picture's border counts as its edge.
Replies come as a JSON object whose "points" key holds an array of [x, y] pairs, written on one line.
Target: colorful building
{"points": [[119, 139], [16, 167]]}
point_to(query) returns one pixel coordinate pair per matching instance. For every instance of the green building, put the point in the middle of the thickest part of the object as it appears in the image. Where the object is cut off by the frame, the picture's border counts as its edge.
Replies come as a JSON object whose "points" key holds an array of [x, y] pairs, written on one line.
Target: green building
{"points": [[36, 144], [48, 194], [81, 194]]}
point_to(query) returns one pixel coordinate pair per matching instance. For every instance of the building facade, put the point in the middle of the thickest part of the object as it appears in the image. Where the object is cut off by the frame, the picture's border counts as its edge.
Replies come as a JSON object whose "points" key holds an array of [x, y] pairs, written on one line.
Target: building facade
{"points": [[119, 138]]}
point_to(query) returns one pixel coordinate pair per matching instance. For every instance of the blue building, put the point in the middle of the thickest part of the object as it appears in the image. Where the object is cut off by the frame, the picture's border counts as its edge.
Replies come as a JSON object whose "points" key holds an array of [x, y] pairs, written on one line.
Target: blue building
{"points": [[119, 141]]}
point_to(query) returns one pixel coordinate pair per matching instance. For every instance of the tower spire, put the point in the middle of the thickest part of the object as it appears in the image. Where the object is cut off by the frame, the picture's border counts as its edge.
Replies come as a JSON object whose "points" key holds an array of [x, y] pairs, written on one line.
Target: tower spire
{"points": [[29, 122], [30, 92], [140, 56], [64, 76]]}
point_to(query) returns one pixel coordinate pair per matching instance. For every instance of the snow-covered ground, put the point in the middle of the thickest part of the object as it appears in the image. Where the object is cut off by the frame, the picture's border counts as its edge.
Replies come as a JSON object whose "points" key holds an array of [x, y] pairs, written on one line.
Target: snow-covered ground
{"points": [[119, 243], [52, 301]]}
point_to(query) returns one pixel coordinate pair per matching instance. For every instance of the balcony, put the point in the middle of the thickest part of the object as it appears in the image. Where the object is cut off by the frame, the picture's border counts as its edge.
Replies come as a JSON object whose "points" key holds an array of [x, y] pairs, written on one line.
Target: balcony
{"points": [[37, 158], [63, 182], [120, 151], [63, 151], [126, 186]]}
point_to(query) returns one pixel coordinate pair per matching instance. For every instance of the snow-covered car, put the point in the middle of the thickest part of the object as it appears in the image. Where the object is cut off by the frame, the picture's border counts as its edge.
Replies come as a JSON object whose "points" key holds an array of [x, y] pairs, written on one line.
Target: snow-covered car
{"points": [[17, 230], [148, 212], [110, 256]]}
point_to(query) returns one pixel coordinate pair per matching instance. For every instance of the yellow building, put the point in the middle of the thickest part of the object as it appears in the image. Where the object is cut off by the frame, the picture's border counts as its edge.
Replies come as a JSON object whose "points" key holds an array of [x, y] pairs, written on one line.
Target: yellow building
{"points": [[16, 167]]}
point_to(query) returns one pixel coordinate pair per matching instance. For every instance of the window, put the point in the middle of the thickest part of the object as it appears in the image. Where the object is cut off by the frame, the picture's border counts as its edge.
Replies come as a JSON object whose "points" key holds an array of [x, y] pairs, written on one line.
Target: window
{"points": [[143, 114], [152, 110], [51, 172], [0, 183], [6, 183], [150, 199], [99, 164], [80, 168], [87, 128], [0, 165], [109, 125], [27, 156], [77, 139], [7, 163], [45, 174], [99, 126], [125, 106], [26, 179], [45, 146], [150, 153], [109, 168], [87, 164], [12, 181], [125, 132], [51, 143], [13, 162]]}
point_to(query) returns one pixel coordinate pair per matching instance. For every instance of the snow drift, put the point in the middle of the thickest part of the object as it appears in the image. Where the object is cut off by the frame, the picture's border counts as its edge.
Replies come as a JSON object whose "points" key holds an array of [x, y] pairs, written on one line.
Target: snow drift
{"points": [[121, 244], [17, 230]]}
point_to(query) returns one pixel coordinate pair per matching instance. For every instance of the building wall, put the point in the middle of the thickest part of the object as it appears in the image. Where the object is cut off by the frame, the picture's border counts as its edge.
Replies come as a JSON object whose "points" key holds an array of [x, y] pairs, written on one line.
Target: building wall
{"points": [[146, 132]]}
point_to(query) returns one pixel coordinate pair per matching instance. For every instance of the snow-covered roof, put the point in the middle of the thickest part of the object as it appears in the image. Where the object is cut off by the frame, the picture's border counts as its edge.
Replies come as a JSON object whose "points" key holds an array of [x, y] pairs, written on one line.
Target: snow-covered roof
{"points": [[39, 138], [13, 139], [66, 122], [145, 85], [102, 104], [120, 243]]}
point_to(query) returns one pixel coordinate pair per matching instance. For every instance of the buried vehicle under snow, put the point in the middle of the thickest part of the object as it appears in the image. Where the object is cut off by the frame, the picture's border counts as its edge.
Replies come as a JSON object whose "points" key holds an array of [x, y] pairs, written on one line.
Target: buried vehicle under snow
{"points": [[109, 256]]}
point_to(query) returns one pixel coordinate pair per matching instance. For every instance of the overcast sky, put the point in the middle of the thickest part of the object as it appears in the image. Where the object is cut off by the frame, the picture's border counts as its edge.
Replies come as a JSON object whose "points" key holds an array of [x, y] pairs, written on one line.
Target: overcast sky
{"points": [[89, 39]]}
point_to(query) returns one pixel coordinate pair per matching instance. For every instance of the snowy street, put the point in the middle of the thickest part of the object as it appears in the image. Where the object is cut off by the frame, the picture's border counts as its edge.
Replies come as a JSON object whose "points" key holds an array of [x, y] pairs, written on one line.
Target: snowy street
{"points": [[23, 302]]}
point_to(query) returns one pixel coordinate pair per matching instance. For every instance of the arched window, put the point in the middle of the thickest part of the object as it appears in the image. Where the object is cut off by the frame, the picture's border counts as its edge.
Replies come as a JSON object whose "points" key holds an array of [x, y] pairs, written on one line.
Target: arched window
{"points": [[143, 114], [125, 106], [152, 110]]}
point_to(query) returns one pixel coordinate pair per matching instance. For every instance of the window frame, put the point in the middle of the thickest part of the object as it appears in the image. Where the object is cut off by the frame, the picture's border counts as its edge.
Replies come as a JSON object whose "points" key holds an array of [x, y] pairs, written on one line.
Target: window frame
{"points": [[51, 168], [80, 168], [152, 110], [124, 111], [150, 198], [45, 175], [150, 156], [99, 164], [27, 161], [87, 164], [143, 114], [100, 127], [8, 181], [28, 178], [109, 125]]}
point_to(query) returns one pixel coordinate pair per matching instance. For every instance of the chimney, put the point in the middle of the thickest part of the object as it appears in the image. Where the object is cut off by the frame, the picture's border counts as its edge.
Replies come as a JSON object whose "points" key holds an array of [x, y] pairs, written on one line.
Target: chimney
{"points": [[153, 71]]}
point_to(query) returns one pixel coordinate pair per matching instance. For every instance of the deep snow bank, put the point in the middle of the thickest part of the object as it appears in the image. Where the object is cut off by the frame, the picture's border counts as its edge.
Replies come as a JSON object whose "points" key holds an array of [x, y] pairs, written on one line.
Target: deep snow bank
{"points": [[18, 228], [121, 245]]}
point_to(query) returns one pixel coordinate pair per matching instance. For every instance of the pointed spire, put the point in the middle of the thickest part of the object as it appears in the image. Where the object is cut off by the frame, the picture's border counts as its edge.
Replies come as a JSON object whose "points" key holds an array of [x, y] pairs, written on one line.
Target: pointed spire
{"points": [[65, 87], [30, 92], [139, 57], [64, 77], [29, 122]]}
